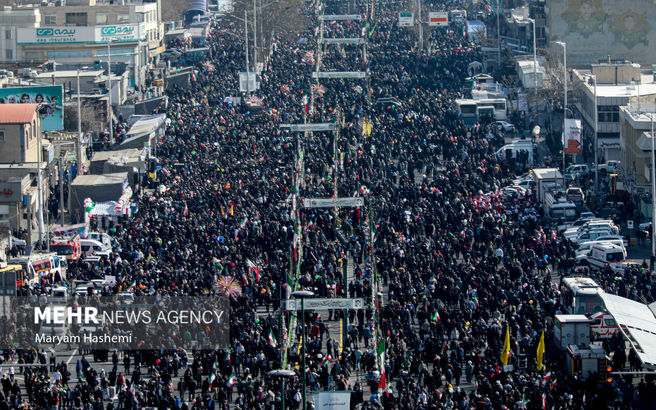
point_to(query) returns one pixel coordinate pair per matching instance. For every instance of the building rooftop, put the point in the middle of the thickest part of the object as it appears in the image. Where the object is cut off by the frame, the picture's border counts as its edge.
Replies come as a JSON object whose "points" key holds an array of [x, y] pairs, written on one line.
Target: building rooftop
{"points": [[67, 73], [17, 113], [647, 86]]}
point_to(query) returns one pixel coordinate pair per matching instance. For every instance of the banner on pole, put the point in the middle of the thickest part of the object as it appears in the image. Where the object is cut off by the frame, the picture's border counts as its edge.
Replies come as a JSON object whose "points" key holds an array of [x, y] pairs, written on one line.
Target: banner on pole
{"points": [[339, 74], [572, 136], [333, 202]]}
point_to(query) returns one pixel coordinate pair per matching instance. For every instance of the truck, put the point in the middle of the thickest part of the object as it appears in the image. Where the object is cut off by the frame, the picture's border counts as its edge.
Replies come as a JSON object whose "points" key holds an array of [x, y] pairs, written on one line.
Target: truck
{"points": [[67, 246], [547, 180], [558, 209]]}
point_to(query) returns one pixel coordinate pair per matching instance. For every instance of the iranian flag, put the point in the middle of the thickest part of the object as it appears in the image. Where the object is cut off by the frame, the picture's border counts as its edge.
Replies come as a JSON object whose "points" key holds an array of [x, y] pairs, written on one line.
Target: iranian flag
{"points": [[243, 223], [186, 210], [132, 287], [435, 317], [272, 339], [212, 378], [381, 353], [325, 360], [253, 270], [231, 381]]}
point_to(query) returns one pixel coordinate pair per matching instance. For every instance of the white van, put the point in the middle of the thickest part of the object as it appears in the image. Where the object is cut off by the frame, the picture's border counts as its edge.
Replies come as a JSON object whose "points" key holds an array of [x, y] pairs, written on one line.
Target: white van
{"points": [[591, 235], [515, 148], [91, 247], [586, 246], [101, 237], [603, 255], [604, 325]]}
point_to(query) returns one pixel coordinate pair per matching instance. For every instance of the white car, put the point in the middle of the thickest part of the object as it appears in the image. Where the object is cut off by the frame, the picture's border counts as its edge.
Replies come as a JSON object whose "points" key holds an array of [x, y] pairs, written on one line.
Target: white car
{"points": [[505, 126], [613, 237]]}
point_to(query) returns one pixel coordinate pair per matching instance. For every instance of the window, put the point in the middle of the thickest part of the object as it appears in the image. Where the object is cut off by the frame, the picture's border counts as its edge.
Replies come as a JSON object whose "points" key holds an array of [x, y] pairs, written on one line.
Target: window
{"points": [[101, 18], [122, 18], [2, 136], [50, 20], [9, 54], [608, 113], [8, 35], [76, 19]]}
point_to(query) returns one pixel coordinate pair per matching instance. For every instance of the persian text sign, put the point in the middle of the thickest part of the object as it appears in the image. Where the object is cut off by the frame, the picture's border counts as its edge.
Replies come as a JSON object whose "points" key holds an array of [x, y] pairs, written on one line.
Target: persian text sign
{"points": [[121, 32]]}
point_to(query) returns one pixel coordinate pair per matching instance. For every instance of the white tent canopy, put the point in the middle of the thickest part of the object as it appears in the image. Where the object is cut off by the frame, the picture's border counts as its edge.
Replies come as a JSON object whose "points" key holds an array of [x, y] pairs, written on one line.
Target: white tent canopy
{"points": [[637, 323]]}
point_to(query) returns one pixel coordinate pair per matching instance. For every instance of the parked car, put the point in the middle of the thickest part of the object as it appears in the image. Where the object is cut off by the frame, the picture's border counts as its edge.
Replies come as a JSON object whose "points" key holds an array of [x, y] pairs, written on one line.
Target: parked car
{"points": [[578, 169], [504, 126], [610, 166]]}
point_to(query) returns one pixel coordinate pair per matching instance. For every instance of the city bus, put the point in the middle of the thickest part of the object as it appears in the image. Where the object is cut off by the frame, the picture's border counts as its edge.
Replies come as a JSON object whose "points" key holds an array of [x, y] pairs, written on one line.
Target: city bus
{"points": [[41, 265], [580, 296], [470, 110], [20, 273]]}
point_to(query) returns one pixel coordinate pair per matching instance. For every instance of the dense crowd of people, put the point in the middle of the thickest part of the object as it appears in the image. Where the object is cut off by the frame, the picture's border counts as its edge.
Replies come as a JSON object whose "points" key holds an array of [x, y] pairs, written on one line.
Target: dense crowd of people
{"points": [[459, 262]]}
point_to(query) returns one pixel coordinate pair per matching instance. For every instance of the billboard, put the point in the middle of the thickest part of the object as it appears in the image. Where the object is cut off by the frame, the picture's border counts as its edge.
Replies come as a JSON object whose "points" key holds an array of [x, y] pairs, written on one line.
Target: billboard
{"points": [[594, 29], [120, 32], [572, 136], [52, 96], [54, 35], [438, 18], [80, 35]]}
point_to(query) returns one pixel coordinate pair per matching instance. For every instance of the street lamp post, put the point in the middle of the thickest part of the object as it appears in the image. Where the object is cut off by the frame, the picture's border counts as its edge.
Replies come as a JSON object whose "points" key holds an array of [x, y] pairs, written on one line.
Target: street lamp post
{"points": [[303, 294], [283, 374], [653, 191], [248, 74], [498, 38], [255, 35], [109, 89], [78, 151], [595, 138], [535, 69]]}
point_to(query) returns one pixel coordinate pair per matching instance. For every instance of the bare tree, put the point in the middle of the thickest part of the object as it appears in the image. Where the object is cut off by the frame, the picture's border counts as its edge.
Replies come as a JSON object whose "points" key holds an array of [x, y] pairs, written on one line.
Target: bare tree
{"points": [[93, 117]]}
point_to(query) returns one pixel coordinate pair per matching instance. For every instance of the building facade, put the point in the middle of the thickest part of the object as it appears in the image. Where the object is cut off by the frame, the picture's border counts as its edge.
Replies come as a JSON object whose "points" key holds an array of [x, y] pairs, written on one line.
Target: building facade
{"points": [[12, 19], [616, 86], [636, 140], [84, 32]]}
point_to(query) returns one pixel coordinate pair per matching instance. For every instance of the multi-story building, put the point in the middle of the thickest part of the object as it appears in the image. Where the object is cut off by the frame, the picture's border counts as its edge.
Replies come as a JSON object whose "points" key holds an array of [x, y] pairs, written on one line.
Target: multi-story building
{"points": [[617, 85], [11, 19], [86, 32], [20, 141], [636, 122]]}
